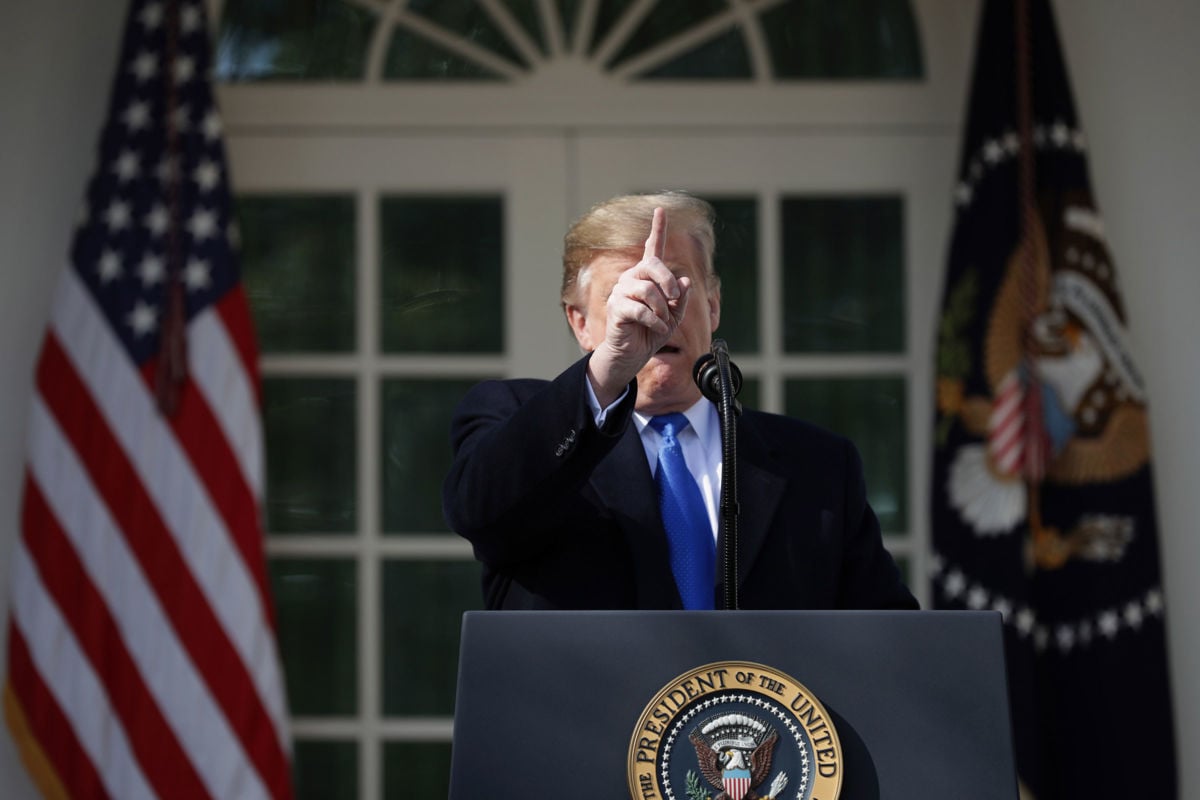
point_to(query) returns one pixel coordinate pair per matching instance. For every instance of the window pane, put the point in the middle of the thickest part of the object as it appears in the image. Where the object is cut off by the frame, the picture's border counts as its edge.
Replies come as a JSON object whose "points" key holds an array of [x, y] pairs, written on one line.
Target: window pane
{"points": [[723, 56], [736, 263], [296, 40], [298, 255], [416, 769], [442, 274], [416, 451], [526, 12], [311, 455], [329, 39], [423, 604], [325, 770], [872, 413], [607, 15], [317, 602], [843, 274], [410, 57], [467, 19], [843, 39], [567, 10]]}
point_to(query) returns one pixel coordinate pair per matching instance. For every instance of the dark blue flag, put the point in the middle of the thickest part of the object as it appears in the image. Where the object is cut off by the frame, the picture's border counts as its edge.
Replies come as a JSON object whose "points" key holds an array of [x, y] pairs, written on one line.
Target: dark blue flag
{"points": [[1043, 504]]}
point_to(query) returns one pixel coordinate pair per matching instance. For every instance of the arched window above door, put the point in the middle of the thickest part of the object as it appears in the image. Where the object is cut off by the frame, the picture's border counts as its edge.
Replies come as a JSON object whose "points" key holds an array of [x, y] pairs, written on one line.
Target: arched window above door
{"points": [[522, 40]]}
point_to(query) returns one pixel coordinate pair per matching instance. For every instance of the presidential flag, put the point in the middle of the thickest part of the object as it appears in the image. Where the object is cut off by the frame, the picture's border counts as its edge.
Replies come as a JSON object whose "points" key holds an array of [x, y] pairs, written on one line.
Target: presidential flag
{"points": [[1043, 504], [142, 659]]}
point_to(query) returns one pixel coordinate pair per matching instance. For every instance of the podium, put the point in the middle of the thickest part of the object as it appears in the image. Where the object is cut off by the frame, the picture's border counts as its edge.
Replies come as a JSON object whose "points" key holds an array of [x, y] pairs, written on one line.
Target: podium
{"points": [[554, 703]]}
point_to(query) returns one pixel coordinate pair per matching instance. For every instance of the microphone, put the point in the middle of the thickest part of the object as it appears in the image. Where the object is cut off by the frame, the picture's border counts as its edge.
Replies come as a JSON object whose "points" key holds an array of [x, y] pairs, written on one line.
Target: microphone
{"points": [[720, 381], [707, 374]]}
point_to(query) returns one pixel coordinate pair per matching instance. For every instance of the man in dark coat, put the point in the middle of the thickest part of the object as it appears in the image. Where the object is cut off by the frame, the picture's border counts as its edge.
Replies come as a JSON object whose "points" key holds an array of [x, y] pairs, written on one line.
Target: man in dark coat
{"points": [[554, 482]]}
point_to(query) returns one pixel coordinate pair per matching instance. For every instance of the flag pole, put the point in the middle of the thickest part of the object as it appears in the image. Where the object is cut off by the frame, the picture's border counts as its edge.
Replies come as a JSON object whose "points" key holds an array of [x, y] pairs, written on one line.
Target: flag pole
{"points": [[172, 354], [1035, 449]]}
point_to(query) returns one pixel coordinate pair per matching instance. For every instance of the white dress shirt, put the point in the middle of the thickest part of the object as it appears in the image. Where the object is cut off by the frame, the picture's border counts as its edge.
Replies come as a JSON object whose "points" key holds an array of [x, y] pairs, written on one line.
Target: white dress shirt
{"points": [[700, 442]]}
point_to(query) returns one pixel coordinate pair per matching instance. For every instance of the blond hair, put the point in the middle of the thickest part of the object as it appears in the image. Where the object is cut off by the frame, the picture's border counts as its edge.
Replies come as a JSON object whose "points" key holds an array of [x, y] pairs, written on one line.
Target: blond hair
{"points": [[623, 224]]}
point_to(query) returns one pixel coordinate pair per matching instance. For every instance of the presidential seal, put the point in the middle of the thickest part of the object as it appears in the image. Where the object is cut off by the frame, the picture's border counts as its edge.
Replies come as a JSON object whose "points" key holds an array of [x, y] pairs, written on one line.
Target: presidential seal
{"points": [[734, 730]]}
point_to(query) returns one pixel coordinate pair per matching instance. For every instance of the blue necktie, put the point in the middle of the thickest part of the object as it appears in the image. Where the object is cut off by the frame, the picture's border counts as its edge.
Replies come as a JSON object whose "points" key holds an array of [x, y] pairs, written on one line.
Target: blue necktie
{"points": [[689, 534]]}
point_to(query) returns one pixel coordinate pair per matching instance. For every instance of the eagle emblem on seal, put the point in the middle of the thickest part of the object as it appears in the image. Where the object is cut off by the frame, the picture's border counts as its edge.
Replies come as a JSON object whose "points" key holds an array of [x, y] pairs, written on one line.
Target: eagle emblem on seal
{"points": [[734, 753]]}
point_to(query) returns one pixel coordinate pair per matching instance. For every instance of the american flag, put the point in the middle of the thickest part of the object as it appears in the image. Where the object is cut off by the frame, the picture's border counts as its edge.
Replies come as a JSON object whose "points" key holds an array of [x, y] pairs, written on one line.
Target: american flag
{"points": [[142, 659]]}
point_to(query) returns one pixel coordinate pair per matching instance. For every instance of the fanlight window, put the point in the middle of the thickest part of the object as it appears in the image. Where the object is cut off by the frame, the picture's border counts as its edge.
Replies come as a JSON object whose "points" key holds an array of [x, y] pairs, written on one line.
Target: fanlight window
{"points": [[514, 40]]}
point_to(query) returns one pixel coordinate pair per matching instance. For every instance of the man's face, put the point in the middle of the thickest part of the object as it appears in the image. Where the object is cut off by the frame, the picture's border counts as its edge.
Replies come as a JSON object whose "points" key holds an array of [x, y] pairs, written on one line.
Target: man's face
{"points": [[665, 383]]}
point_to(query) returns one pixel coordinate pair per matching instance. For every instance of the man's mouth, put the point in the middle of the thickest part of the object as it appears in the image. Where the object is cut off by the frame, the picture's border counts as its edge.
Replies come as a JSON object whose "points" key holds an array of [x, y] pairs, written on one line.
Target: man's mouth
{"points": [[667, 349]]}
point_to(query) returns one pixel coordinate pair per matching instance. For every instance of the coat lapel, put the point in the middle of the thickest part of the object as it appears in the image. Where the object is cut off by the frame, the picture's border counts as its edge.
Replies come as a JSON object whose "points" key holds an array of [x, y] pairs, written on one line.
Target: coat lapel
{"points": [[760, 489], [626, 487]]}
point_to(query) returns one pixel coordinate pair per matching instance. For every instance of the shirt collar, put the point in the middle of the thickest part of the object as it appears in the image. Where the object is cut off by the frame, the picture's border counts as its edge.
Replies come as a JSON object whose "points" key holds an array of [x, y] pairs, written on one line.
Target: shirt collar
{"points": [[702, 416]]}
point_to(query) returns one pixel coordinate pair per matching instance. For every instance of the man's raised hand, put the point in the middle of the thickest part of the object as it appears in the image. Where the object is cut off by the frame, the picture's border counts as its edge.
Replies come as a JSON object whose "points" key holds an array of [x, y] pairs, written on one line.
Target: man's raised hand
{"points": [[644, 309]]}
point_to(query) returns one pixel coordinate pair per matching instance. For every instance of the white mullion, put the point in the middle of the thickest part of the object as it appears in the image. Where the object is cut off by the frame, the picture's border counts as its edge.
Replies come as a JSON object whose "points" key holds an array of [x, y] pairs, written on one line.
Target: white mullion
{"points": [[845, 364], [411, 729], [414, 547], [517, 36], [621, 32], [369, 648], [744, 13], [299, 366], [458, 45], [770, 294], [750, 16], [370, 775], [367, 293], [385, 29], [675, 45], [346, 729], [916, 439], [427, 547], [419, 729], [351, 364], [918, 247], [834, 365], [442, 366], [585, 26], [552, 26], [306, 545]]}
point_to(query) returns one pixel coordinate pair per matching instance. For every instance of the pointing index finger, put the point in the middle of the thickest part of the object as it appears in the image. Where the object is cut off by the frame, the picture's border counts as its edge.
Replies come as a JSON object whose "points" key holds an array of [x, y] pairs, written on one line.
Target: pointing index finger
{"points": [[656, 242]]}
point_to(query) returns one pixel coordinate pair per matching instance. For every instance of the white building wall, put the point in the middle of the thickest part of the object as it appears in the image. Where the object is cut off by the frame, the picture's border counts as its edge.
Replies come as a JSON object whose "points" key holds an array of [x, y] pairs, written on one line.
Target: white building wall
{"points": [[1134, 68], [56, 61]]}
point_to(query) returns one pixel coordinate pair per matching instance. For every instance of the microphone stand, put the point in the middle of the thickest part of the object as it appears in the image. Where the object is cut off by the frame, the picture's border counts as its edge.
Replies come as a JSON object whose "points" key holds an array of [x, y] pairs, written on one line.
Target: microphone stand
{"points": [[720, 381]]}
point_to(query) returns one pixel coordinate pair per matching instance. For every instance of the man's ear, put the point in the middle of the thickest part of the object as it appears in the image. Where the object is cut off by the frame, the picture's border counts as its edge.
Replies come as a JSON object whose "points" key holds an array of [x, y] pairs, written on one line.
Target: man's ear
{"points": [[714, 309], [577, 319]]}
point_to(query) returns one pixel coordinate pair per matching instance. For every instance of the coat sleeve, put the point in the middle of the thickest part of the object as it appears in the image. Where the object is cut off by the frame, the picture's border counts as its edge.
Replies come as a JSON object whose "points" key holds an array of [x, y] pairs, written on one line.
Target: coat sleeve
{"points": [[870, 578], [523, 451]]}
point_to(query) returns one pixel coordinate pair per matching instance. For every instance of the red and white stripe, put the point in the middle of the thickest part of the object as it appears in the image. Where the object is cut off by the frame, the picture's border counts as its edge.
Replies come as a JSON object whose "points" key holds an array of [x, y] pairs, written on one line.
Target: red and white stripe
{"points": [[140, 609], [1006, 426], [736, 788], [1017, 439]]}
